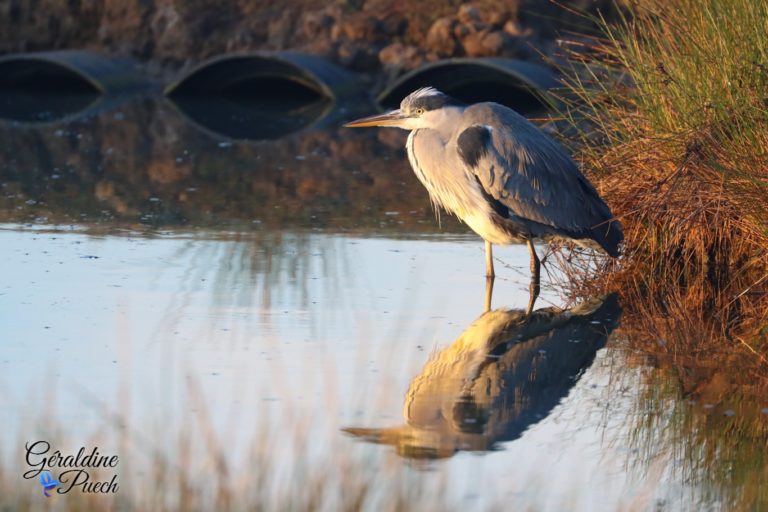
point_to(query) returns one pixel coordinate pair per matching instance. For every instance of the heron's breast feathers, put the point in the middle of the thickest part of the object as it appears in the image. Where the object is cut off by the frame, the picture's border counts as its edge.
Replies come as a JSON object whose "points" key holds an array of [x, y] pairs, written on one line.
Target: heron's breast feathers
{"points": [[447, 180]]}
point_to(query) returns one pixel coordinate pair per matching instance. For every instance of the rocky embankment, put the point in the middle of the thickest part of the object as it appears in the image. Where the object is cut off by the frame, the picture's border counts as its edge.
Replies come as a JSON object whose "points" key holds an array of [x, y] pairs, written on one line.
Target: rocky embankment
{"points": [[376, 37]]}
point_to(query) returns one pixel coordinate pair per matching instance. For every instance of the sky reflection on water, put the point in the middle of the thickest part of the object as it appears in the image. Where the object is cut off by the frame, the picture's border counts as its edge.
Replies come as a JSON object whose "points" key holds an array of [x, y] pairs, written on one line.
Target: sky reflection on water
{"points": [[337, 345]]}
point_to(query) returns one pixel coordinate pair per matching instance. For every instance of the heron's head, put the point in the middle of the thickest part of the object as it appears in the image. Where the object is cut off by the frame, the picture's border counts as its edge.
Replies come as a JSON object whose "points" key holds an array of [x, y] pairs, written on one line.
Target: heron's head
{"points": [[423, 108]]}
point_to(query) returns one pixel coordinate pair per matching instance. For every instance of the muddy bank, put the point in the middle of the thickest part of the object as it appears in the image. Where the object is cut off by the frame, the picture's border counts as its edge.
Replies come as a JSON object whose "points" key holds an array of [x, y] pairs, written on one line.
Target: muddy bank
{"points": [[381, 38]]}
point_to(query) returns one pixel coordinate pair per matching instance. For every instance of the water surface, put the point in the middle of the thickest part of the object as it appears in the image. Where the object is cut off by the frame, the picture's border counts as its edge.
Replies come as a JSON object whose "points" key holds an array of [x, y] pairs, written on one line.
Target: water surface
{"points": [[294, 304]]}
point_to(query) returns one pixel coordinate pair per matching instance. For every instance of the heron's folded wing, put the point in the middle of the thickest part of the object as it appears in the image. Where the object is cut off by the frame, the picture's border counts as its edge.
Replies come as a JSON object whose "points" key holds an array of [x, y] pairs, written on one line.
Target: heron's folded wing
{"points": [[530, 175]]}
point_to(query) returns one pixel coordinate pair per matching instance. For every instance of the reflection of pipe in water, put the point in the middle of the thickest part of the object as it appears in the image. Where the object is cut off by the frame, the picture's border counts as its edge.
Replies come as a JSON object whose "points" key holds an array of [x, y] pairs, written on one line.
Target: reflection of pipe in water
{"points": [[250, 119], [261, 95], [506, 372], [519, 85], [58, 86]]}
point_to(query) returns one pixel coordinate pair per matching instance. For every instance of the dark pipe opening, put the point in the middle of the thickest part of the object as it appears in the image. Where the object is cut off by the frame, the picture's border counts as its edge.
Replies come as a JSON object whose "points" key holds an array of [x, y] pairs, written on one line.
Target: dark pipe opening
{"points": [[250, 98], [39, 91], [250, 78], [37, 76], [246, 119], [471, 83], [267, 89]]}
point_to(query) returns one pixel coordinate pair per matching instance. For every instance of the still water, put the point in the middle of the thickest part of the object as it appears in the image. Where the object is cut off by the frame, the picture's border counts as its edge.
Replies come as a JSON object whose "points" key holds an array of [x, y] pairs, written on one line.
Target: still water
{"points": [[275, 317]]}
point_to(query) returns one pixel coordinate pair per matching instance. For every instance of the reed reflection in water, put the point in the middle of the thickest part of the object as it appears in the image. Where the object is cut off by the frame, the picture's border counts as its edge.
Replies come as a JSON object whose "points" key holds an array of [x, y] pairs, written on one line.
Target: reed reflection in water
{"points": [[506, 372]]}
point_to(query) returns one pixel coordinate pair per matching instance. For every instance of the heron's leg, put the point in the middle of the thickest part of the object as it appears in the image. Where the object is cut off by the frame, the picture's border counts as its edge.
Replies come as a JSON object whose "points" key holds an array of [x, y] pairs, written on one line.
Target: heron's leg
{"points": [[489, 273], [488, 294], [535, 274]]}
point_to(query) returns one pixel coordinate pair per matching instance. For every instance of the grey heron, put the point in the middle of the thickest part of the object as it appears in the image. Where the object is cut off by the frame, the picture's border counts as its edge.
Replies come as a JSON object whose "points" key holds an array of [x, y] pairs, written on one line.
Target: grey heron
{"points": [[501, 175]]}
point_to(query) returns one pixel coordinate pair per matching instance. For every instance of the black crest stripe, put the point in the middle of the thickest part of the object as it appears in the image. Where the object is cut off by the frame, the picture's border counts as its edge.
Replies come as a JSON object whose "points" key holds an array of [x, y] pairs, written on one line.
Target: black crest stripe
{"points": [[434, 101]]}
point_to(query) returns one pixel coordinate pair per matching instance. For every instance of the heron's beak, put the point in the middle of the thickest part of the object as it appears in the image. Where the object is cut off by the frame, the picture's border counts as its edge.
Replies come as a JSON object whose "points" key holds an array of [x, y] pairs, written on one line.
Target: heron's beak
{"points": [[392, 118]]}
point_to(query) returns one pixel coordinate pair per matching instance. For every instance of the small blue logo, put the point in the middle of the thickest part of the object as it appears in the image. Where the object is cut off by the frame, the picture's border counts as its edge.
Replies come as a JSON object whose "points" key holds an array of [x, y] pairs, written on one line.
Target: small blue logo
{"points": [[48, 482]]}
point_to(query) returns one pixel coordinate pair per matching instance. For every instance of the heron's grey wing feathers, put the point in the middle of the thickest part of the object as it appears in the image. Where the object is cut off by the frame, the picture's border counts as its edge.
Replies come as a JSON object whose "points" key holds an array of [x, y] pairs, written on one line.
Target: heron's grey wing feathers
{"points": [[533, 177]]}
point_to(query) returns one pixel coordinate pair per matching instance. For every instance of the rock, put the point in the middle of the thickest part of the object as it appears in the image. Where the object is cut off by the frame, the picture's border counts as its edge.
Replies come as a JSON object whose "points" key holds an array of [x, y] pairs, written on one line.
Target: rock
{"points": [[358, 27], [440, 38], [243, 38], [473, 45], [320, 46], [513, 28], [393, 25], [398, 55], [316, 24], [461, 31], [356, 56], [468, 14], [498, 43], [498, 18], [281, 30], [337, 31], [122, 30], [393, 54], [162, 22], [490, 43]]}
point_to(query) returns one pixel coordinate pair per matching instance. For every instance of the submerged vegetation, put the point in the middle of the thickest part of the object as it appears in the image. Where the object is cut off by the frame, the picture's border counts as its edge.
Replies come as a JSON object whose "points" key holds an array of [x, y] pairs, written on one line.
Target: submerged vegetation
{"points": [[676, 101]]}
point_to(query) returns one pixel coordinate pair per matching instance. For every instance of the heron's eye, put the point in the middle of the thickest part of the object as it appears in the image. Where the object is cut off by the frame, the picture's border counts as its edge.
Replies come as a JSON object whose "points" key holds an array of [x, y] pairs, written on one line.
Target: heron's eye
{"points": [[419, 111]]}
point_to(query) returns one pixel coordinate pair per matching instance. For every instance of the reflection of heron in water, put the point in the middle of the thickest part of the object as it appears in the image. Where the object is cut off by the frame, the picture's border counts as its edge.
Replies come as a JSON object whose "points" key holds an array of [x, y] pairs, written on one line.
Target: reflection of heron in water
{"points": [[507, 371]]}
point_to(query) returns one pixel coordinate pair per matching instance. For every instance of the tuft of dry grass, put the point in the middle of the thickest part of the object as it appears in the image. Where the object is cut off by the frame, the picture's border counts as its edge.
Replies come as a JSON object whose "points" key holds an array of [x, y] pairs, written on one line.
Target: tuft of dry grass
{"points": [[672, 115]]}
